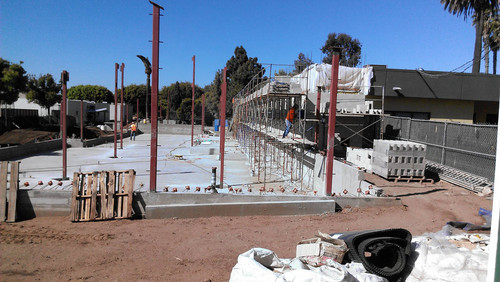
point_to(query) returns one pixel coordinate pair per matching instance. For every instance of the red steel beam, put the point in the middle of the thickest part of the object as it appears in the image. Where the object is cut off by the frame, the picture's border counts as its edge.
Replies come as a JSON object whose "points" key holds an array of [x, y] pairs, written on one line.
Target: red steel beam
{"points": [[154, 96], [192, 105], [202, 113], [222, 127], [81, 119], [122, 67], [64, 79], [116, 109], [137, 118], [331, 122]]}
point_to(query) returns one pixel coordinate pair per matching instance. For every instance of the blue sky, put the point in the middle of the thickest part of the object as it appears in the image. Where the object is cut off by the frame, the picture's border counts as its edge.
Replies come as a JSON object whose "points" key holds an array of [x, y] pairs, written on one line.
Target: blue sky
{"points": [[87, 37]]}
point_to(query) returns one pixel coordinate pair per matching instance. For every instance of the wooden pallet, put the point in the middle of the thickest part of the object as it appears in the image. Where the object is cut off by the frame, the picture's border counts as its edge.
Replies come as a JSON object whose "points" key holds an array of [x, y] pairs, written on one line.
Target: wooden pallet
{"points": [[102, 195], [8, 209]]}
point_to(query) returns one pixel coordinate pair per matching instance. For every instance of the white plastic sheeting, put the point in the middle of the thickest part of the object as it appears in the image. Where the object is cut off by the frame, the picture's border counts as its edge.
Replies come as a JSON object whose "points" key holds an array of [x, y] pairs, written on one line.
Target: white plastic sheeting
{"points": [[350, 79], [435, 259], [263, 265]]}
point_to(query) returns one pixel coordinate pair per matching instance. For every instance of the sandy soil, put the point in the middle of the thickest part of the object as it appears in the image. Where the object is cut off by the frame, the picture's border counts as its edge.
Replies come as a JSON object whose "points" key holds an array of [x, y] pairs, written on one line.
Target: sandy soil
{"points": [[206, 249]]}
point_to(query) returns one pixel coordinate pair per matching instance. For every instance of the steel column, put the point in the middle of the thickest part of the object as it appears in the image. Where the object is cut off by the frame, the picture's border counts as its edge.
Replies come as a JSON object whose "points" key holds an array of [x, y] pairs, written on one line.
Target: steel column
{"points": [[81, 119], [192, 104], [222, 126], [154, 96], [116, 109], [64, 79], [332, 112], [122, 67], [202, 113]]}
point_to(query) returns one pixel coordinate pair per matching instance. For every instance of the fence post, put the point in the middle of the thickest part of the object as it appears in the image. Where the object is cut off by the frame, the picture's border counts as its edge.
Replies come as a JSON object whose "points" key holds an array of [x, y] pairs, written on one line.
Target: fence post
{"points": [[443, 152]]}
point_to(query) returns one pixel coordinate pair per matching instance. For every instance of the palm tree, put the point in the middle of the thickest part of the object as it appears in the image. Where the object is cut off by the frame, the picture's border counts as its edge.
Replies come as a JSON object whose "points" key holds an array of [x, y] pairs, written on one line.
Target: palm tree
{"points": [[493, 39], [468, 8]]}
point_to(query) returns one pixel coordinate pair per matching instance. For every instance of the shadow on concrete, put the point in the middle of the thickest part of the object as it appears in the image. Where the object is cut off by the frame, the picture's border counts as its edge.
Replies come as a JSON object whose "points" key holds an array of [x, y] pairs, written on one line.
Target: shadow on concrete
{"points": [[138, 207], [24, 206]]}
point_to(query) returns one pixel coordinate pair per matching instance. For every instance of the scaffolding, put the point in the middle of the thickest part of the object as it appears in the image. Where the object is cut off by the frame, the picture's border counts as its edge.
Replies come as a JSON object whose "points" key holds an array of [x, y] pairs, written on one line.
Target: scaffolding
{"points": [[259, 117], [259, 113]]}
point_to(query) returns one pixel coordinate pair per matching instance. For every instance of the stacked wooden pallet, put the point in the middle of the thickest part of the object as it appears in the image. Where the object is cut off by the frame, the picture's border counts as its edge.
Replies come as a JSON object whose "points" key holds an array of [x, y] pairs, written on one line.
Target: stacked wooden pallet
{"points": [[102, 195], [8, 209]]}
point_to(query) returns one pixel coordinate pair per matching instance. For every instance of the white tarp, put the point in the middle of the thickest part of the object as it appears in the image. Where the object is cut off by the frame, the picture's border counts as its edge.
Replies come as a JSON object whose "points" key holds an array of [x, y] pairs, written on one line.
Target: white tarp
{"points": [[350, 79]]}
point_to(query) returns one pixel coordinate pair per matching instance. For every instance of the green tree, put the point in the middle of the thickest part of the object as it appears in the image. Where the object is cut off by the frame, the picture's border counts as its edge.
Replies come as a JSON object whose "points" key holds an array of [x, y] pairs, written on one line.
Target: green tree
{"points": [[176, 93], [302, 63], [468, 8], [240, 71], [44, 91], [94, 93], [212, 95], [133, 92], [491, 35], [13, 80], [350, 53]]}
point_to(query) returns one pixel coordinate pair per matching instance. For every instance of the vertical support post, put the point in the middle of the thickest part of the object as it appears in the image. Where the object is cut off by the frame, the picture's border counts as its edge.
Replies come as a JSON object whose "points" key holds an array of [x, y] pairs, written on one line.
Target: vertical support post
{"points": [[494, 255], [122, 67], [222, 126], [202, 113], [81, 119], [443, 150], [64, 80], [116, 110], [137, 112], [192, 104], [332, 112], [167, 114], [154, 96], [318, 104]]}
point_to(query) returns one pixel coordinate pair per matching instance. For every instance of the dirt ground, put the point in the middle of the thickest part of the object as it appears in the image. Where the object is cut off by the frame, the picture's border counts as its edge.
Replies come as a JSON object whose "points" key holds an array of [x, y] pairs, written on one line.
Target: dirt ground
{"points": [[23, 136], [206, 249]]}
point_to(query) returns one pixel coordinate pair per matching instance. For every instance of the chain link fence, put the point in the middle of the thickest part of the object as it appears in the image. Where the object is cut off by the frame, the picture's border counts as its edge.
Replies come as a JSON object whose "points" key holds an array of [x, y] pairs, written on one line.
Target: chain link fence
{"points": [[467, 147]]}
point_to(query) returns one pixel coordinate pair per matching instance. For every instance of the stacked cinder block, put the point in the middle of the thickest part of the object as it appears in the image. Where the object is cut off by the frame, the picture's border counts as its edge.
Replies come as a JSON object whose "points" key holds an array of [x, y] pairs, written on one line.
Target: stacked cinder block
{"points": [[392, 158]]}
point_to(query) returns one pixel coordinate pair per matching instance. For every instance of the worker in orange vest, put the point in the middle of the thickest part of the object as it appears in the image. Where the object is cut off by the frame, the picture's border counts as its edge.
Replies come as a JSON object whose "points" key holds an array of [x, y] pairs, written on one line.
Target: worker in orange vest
{"points": [[133, 129], [289, 120]]}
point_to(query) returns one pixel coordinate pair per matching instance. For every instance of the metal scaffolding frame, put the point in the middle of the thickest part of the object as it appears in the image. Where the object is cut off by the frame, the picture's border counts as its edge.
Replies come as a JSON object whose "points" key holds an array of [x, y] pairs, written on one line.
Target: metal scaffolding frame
{"points": [[259, 113]]}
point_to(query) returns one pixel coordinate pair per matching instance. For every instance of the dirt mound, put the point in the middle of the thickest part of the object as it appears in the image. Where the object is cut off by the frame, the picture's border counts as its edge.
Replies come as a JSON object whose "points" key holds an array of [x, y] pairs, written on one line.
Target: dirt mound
{"points": [[23, 136]]}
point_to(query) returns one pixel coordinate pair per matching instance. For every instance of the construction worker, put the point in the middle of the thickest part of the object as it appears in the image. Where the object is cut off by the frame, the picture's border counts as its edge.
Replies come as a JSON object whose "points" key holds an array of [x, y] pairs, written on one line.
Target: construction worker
{"points": [[133, 130], [289, 120]]}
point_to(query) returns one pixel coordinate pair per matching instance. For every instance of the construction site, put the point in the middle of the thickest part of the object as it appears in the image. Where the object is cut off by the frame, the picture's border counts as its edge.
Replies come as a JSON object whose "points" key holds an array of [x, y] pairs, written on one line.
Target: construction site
{"points": [[231, 180], [319, 173]]}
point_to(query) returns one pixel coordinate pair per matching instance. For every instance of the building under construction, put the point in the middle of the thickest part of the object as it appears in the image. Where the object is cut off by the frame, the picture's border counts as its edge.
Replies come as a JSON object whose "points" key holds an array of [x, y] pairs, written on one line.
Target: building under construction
{"points": [[300, 159]]}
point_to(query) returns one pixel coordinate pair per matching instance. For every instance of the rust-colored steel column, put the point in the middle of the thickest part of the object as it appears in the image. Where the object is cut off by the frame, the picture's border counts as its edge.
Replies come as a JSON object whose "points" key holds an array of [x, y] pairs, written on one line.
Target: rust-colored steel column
{"points": [[167, 115], [154, 96], [137, 118], [332, 112], [116, 109], [81, 119], [202, 113], [64, 80], [192, 105], [122, 67], [318, 102], [222, 127]]}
